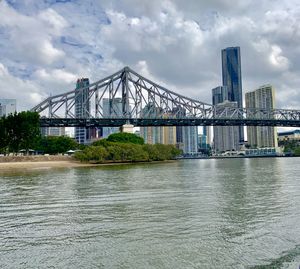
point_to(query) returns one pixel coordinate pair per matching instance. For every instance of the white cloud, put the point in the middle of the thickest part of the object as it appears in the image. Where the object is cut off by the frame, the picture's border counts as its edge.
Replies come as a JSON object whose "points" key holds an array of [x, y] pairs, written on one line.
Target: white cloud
{"points": [[53, 19], [26, 92], [175, 43], [55, 75], [30, 39], [277, 59]]}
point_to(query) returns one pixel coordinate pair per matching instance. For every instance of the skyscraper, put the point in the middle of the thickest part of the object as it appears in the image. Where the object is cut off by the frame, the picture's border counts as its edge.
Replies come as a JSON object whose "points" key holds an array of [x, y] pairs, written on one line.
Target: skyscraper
{"points": [[7, 106], [112, 108], [82, 109], [225, 137], [261, 136], [179, 112], [151, 135], [53, 131], [232, 78], [190, 139], [219, 95]]}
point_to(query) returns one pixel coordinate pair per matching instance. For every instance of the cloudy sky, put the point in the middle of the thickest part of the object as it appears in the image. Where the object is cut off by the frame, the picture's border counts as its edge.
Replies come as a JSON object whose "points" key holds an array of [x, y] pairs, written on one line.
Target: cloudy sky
{"points": [[45, 45]]}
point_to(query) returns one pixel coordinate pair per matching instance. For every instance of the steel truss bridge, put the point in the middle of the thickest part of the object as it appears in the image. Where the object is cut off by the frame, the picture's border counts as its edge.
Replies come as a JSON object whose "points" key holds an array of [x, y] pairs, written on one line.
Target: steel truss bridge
{"points": [[129, 98]]}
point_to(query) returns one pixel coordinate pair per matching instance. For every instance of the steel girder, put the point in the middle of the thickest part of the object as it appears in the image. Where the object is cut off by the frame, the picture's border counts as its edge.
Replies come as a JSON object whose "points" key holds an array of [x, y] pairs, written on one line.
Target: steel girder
{"points": [[130, 97], [143, 122]]}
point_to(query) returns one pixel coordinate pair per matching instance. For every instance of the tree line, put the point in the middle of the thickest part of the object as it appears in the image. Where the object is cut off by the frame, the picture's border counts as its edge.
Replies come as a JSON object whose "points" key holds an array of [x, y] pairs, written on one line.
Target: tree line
{"points": [[125, 147], [21, 131]]}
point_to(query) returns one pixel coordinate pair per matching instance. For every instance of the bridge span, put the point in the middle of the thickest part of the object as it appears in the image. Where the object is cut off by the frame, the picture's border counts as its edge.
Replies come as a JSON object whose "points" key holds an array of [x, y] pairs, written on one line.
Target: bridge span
{"points": [[127, 97]]}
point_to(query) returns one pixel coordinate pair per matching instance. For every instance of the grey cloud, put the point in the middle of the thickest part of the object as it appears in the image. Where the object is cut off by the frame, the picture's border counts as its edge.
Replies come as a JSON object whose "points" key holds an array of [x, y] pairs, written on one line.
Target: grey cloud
{"points": [[177, 43]]}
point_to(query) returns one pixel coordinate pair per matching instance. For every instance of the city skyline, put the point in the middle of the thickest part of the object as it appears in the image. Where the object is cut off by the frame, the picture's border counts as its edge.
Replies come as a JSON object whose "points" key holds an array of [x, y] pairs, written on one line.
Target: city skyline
{"points": [[45, 47]]}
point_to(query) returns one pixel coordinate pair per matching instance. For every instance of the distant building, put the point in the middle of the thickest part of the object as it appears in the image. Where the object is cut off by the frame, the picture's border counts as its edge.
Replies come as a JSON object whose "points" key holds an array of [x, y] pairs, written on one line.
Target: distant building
{"points": [[53, 131], [190, 139], [112, 108], [219, 95], [289, 135], [151, 135], [226, 138], [7, 106], [207, 132], [184, 137], [161, 134], [261, 136], [168, 135], [179, 112], [82, 109], [232, 79]]}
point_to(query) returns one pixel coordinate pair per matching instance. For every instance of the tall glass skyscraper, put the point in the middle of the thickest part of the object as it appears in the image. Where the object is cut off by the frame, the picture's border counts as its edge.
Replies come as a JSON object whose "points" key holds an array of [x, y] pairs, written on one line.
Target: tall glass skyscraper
{"points": [[112, 108], [219, 95], [232, 78], [82, 109]]}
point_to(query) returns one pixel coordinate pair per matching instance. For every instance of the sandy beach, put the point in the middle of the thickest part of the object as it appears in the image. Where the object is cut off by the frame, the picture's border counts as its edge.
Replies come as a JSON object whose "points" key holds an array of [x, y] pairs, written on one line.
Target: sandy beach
{"points": [[41, 165], [10, 163], [27, 163]]}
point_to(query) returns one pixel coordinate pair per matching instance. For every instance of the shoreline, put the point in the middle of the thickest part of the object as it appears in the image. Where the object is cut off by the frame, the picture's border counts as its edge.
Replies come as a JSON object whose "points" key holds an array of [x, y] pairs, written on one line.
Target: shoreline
{"points": [[40, 165], [11, 163]]}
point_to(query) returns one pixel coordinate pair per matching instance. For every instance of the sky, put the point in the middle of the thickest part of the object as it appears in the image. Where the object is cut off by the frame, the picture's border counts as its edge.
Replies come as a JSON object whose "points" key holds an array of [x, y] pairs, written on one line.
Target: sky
{"points": [[46, 45]]}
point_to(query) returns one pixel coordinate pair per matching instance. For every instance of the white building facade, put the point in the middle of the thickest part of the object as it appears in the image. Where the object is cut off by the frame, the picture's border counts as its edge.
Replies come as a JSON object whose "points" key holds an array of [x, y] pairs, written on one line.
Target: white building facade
{"points": [[7, 106], [261, 136]]}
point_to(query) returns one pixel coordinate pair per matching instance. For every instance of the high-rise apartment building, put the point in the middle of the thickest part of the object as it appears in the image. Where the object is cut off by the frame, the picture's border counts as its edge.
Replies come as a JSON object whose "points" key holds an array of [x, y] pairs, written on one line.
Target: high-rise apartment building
{"points": [[179, 112], [219, 95], [53, 131], [112, 108], [232, 78], [82, 109], [226, 138], [190, 139], [168, 135], [261, 136], [7, 106], [151, 135], [185, 137], [207, 132]]}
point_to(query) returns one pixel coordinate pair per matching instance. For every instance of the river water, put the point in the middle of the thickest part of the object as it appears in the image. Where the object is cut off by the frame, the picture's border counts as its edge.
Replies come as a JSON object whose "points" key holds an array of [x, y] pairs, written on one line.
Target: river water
{"points": [[232, 213]]}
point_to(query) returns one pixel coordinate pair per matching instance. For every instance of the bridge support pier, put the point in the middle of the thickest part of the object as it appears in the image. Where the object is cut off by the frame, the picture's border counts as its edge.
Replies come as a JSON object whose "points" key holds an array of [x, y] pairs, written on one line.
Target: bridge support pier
{"points": [[127, 128]]}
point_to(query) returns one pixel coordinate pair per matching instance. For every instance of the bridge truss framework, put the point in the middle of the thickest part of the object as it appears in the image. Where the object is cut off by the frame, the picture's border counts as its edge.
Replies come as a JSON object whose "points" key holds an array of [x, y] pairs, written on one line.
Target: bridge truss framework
{"points": [[142, 102]]}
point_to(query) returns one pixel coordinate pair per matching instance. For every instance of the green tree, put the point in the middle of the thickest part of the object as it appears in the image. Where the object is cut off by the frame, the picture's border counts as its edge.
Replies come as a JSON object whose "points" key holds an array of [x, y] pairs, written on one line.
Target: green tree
{"points": [[126, 138], [297, 151], [153, 152], [125, 150], [128, 152], [95, 154], [56, 144], [22, 130], [13, 125], [3, 135], [29, 130], [102, 142]]}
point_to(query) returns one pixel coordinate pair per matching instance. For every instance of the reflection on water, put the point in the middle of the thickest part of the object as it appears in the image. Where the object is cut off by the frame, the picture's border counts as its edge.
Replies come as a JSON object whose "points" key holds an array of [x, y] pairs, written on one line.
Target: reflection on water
{"points": [[232, 213]]}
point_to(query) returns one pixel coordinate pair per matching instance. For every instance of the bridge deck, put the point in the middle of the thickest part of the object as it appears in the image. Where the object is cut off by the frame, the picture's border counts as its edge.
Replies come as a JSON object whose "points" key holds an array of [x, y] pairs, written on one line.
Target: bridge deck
{"points": [[116, 122]]}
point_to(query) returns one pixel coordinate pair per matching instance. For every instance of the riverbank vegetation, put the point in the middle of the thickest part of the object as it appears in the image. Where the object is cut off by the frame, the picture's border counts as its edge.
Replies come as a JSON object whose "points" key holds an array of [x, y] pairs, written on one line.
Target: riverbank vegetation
{"points": [[57, 144], [291, 147], [19, 131], [125, 147]]}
